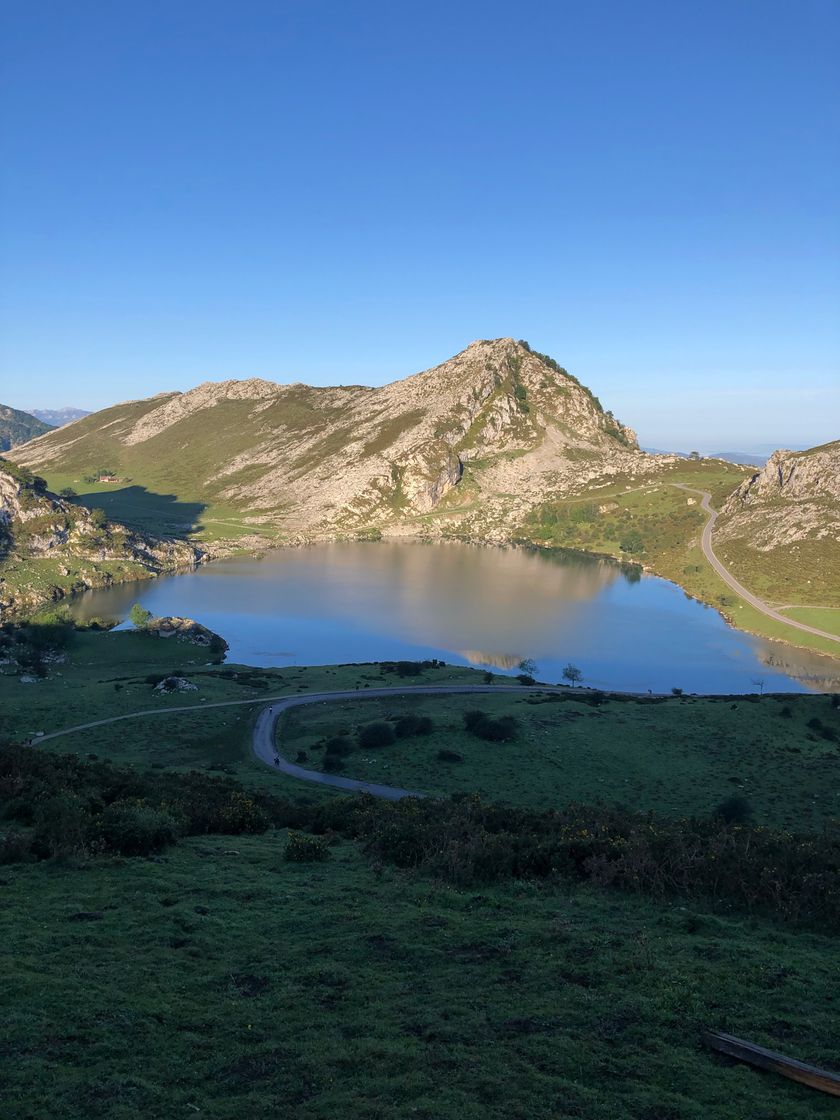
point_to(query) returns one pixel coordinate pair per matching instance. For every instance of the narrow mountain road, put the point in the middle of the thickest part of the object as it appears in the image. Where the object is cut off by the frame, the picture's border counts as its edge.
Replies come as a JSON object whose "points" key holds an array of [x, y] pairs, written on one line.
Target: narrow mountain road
{"points": [[265, 737], [738, 588], [263, 740]]}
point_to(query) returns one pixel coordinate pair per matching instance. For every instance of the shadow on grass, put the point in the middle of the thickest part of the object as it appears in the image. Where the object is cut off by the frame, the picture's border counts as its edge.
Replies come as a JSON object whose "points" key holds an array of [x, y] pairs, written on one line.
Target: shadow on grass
{"points": [[147, 510]]}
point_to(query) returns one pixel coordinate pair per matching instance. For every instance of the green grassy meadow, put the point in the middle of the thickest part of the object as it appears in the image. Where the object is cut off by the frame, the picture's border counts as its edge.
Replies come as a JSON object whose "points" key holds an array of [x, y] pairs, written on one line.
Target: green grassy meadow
{"points": [[824, 618], [221, 981], [218, 980]]}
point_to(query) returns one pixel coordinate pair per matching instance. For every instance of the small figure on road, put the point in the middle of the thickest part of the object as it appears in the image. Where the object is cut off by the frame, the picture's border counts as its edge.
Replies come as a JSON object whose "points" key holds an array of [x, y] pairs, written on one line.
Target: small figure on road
{"points": [[277, 760]]}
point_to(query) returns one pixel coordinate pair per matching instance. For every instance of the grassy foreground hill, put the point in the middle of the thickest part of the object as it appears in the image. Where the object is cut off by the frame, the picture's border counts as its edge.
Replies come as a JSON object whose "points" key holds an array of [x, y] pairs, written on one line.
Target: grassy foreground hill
{"points": [[276, 950]]}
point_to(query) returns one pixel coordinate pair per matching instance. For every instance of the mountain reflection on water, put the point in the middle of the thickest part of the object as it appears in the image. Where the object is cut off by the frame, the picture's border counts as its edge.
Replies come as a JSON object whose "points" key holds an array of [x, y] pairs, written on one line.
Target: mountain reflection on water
{"points": [[346, 602]]}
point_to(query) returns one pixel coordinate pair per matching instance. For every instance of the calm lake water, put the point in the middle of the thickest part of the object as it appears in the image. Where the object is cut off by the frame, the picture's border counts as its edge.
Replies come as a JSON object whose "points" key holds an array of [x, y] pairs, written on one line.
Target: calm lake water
{"points": [[465, 604]]}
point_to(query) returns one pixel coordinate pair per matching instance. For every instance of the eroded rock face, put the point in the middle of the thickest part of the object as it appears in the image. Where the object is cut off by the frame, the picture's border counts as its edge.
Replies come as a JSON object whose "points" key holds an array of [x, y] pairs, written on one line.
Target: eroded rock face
{"points": [[792, 476], [428, 473], [780, 530], [795, 497]]}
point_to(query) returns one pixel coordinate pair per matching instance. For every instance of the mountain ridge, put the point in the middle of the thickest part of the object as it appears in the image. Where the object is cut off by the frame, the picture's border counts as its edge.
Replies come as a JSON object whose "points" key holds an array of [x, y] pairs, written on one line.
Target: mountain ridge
{"points": [[17, 427], [498, 416]]}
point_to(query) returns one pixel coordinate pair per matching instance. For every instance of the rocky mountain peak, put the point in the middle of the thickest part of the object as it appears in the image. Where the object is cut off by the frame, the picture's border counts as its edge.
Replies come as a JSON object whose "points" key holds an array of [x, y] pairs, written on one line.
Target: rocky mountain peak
{"points": [[498, 418]]}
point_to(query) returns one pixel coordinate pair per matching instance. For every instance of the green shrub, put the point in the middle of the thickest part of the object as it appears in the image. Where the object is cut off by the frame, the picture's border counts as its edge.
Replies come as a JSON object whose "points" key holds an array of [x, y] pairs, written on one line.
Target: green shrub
{"points": [[15, 847], [133, 828], [380, 733], [449, 756], [339, 745], [302, 848], [499, 730], [62, 826], [734, 809], [410, 725]]}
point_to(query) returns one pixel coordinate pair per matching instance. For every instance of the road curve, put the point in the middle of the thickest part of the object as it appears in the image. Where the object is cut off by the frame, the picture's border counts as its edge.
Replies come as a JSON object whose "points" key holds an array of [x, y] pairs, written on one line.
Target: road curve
{"points": [[738, 588], [264, 739]]}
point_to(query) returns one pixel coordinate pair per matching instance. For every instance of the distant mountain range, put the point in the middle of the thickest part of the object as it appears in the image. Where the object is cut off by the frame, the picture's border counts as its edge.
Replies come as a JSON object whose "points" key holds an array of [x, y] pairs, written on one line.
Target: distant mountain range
{"points": [[58, 417], [755, 458], [18, 427]]}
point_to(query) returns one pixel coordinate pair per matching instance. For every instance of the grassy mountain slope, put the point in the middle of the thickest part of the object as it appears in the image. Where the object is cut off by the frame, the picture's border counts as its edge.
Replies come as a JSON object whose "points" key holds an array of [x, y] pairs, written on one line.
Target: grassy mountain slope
{"points": [[497, 423], [18, 427]]}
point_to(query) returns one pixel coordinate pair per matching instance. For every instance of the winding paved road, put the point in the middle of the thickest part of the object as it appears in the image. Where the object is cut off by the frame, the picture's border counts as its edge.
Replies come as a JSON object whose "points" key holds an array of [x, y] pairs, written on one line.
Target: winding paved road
{"points": [[263, 740], [738, 588]]}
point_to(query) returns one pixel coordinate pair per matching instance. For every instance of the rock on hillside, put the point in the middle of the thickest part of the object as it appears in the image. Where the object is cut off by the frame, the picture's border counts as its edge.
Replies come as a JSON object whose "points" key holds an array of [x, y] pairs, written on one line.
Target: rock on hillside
{"points": [[796, 496], [50, 547], [186, 630], [18, 427], [467, 446], [780, 530]]}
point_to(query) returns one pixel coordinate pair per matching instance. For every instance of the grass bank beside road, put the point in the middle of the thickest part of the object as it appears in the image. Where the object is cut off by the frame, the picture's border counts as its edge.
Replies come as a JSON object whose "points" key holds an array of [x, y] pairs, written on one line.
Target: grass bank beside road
{"points": [[677, 756]]}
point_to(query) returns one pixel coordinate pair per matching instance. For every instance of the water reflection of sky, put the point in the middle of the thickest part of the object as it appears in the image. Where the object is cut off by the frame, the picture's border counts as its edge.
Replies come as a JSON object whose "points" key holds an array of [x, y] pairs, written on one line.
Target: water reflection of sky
{"points": [[369, 602]]}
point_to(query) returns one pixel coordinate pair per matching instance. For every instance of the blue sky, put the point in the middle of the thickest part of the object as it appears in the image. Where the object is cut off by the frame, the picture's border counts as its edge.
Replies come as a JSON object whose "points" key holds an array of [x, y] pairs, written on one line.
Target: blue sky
{"points": [[335, 192]]}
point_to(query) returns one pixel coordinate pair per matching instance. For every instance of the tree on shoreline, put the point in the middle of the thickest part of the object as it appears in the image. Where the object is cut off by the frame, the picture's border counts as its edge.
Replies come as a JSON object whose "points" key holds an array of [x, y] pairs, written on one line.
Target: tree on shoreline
{"points": [[139, 617]]}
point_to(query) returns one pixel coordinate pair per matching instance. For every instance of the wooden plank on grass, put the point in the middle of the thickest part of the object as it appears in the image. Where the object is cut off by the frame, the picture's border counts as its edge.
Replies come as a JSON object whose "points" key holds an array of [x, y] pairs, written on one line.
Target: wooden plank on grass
{"points": [[822, 1079]]}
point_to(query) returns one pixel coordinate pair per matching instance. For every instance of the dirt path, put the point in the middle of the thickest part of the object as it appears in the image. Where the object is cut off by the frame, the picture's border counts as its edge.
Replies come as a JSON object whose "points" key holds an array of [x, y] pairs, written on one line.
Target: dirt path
{"points": [[738, 588]]}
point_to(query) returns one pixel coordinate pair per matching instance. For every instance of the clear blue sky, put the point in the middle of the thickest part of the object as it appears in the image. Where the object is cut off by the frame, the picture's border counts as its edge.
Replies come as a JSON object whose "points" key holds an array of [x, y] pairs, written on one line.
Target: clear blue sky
{"points": [[341, 192]]}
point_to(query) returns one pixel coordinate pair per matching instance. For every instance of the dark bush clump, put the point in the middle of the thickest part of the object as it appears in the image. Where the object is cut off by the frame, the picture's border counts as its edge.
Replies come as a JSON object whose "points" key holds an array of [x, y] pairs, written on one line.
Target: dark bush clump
{"points": [[135, 829], [449, 756], [62, 826], [735, 809], [786, 713], [380, 733], [339, 745], [15, 847], [407, 726], [473, 718], [301, 848], [333, 763], [500, 730], [526, 679]]}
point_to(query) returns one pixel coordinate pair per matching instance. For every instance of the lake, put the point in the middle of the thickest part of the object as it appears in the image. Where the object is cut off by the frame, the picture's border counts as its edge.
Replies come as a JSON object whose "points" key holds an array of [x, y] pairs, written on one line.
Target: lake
{"points": [[469, 604]]}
